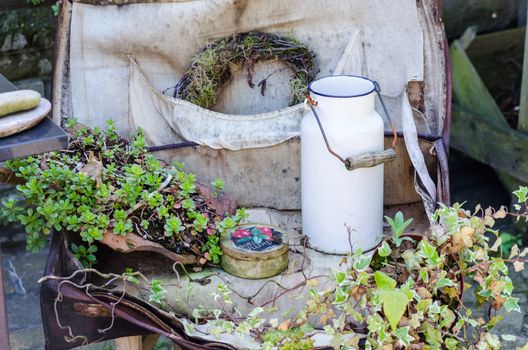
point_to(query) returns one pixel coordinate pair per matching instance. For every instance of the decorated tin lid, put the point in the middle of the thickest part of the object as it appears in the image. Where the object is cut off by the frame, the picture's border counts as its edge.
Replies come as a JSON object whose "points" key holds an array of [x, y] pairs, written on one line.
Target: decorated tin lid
{"points": [[255, 251]]}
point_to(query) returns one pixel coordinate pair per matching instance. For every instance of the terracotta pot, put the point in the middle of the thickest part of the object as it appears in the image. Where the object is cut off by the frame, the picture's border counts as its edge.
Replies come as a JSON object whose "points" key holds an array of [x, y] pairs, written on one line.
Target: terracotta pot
{"points": [[221, 202], [135, 243]]}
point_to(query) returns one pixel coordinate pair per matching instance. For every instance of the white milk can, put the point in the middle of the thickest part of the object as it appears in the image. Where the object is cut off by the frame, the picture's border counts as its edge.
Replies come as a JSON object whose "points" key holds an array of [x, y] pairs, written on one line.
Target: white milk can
{"points": [[342, 165]]}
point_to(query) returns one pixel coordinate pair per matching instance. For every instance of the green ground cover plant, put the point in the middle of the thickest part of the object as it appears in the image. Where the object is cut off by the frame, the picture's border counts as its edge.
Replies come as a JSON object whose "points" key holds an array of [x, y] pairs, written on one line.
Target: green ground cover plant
{"points": [[103, 183]]}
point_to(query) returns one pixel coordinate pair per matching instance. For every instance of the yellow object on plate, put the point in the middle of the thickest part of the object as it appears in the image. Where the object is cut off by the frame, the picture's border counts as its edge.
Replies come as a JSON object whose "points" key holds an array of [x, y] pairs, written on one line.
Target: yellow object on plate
{"points": [[20, 121], [18, 101]]}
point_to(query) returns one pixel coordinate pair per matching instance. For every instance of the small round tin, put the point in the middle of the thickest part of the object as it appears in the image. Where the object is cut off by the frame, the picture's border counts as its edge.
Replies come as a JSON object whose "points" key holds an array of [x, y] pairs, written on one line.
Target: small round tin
{"points": [[255, 251]]}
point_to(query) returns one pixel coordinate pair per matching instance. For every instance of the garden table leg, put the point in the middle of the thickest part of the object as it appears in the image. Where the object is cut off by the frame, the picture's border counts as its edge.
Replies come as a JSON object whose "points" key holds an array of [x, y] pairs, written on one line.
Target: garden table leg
{"points": [[137, 342], [4, 333], [149, 341], [129, 343]]}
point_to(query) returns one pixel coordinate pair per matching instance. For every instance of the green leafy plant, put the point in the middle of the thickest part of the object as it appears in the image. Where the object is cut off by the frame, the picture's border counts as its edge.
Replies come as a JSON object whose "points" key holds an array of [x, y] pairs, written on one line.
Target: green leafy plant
{"points": [[411, 300], [398, 226], [84, 255], [218, 186], [55, 7], [407, 295], [104, 183], [157, 292]]}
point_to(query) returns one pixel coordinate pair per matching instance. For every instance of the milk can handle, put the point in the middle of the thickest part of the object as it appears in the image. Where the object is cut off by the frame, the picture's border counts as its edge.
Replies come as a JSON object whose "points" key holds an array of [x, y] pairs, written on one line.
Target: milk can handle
{"points": [[368, 159]]}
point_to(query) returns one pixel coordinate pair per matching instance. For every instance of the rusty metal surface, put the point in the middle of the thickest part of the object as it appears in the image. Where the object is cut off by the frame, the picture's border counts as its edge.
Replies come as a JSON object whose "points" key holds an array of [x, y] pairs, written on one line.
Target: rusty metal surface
{"points": [[132, 316], [444, 193]]}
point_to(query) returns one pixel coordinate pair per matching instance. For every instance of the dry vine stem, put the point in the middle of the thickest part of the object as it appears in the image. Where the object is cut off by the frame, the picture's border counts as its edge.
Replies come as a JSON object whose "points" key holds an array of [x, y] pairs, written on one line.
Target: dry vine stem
{"points": [[70, 338]]}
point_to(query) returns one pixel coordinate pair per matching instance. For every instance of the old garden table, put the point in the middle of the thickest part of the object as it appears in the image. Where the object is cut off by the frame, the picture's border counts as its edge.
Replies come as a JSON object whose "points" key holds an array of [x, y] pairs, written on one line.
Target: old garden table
{"points": [[45, 137]]}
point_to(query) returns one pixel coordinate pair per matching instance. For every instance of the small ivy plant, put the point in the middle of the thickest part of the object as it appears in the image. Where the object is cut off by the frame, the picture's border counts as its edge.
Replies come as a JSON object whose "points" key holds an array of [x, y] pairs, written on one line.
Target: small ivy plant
{"points": [[411, 300], [103, 184]]}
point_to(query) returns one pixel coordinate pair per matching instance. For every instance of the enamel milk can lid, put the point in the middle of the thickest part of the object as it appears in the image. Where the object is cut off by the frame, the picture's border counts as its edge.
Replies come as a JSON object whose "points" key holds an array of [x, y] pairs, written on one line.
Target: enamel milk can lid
{"points": [[255, 251]]}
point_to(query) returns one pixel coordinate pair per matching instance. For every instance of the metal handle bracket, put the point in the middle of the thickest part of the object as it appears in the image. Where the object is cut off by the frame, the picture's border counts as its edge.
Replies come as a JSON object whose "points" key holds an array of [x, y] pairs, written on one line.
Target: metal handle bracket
{"points": [[365, 160]]}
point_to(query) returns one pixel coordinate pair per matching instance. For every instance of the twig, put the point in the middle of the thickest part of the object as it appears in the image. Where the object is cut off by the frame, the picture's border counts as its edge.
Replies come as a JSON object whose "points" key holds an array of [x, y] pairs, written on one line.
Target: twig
{"points": [[141, 203]]}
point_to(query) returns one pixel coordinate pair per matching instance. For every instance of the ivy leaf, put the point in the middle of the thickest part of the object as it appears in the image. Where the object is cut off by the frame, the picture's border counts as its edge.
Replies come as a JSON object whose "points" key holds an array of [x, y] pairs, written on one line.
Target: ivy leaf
{"points": [[444, 282], [433, 336], [412, 260], [340, 296], [383, 281], [394, 305], [514, 251], [340, 277], [452, 344], [428, 251], [512, 304], [423, 305], [384, 250], [493, 321], [521, 194], [424, 275], [496, 245], [361, 263], [129, 275], [256, 311], [448, 318], [157, 292], [403, 336], [518, 266], [501, 213]]}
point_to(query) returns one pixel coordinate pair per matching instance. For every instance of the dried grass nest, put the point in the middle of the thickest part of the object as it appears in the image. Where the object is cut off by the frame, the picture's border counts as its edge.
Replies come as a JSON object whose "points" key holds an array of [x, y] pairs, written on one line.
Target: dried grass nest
{"points": [[211, 68]]}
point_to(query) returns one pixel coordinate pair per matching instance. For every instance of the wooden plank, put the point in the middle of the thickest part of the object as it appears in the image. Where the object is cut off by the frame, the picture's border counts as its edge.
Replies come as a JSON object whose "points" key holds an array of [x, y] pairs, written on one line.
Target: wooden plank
{"points": [[469, 90], [522, 124], [501, 49], [129, 343], [488, 15], [503, 148], [472, 94], [398, 181], [486, 46], [148, 341]]}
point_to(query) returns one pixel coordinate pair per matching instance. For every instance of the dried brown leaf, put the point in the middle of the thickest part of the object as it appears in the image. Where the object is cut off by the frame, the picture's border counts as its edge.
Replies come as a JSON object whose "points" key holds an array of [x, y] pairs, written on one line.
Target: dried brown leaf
{"points": [[94, 169], [284, 326], [501, 213]]}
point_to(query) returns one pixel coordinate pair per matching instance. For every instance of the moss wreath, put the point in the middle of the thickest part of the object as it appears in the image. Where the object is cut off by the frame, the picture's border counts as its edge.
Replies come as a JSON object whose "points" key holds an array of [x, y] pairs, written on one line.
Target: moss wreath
{"points": [[211, 68]]}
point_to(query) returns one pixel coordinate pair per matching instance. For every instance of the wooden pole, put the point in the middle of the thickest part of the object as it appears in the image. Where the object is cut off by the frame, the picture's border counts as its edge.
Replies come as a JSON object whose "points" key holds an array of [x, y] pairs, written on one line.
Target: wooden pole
{"points": [[522, 124]]}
